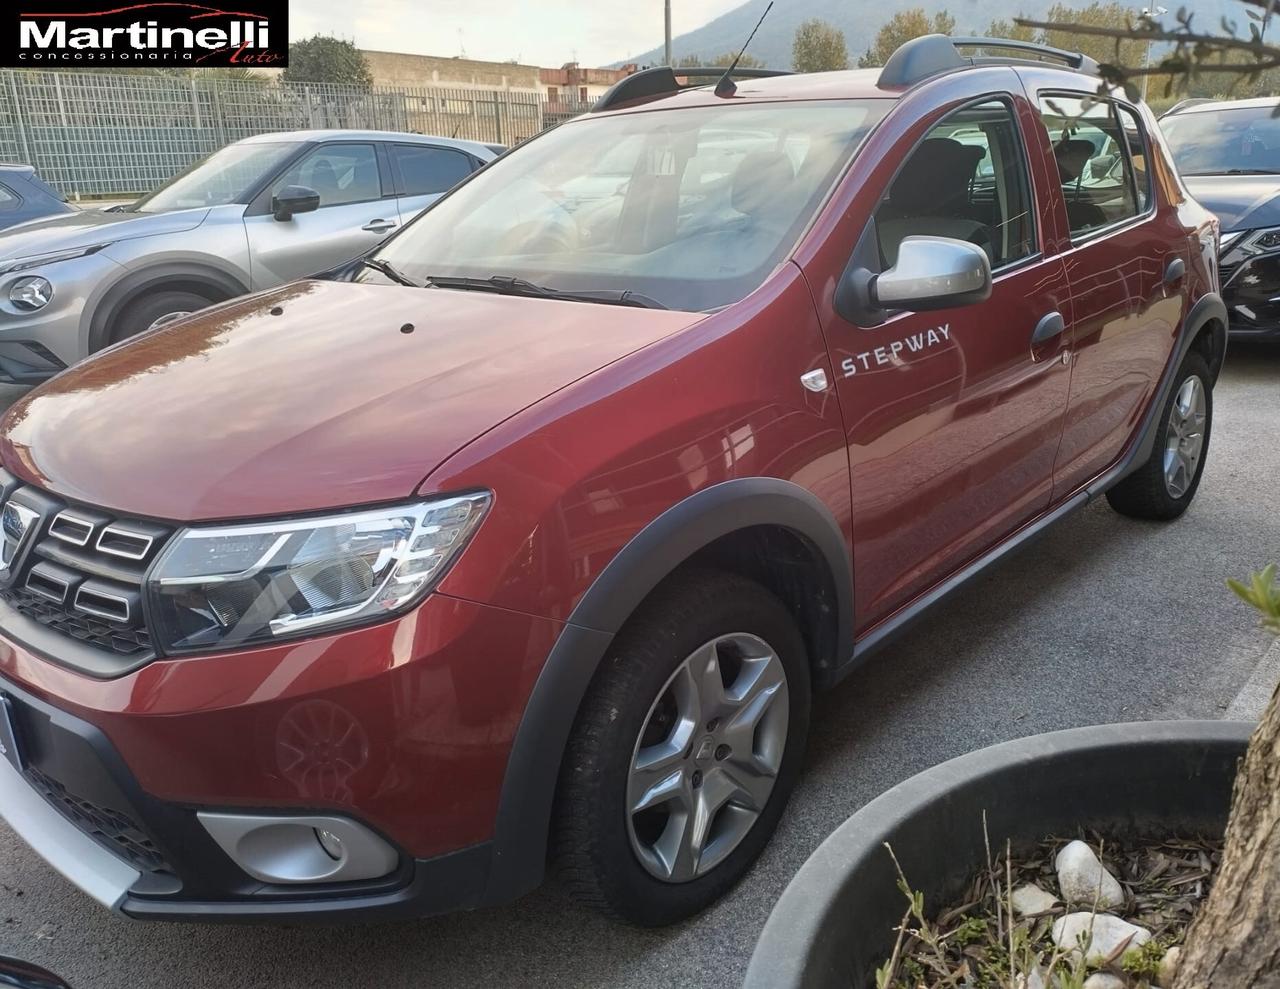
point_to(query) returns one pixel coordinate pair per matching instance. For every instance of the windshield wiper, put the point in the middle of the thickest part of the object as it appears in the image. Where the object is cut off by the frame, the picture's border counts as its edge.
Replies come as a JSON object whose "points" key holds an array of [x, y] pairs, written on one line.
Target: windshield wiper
{"points": [[1232, 171], [509, 285], [391, 271]]}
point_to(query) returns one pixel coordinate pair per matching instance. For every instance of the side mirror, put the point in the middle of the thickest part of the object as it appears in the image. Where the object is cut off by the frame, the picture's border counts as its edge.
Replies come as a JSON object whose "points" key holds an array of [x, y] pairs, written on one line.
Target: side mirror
{"points": [[934, 273], [24, 975], [294, 199], [931, 273]]}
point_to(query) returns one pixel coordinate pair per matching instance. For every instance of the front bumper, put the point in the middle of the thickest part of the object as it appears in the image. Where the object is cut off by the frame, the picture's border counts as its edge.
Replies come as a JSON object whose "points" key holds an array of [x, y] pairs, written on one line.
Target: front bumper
{"points": [[1251, 291], [410, 729]]}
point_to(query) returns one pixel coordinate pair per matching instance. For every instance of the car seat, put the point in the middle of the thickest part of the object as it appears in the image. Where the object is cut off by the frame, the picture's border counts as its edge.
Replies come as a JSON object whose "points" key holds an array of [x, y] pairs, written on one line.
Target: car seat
{"points": [[930, 197], [1073, 158]]}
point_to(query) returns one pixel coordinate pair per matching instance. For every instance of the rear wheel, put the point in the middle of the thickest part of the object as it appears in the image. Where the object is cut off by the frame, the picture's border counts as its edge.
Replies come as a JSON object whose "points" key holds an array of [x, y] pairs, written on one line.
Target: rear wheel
{"points": [[685, 751], [1163, 487], [153, 311]]}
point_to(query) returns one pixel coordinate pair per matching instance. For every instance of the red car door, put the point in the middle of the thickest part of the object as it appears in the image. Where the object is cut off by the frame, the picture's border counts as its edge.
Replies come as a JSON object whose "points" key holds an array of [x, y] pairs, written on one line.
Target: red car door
{"points": [[1126, 296], [953, 417]]}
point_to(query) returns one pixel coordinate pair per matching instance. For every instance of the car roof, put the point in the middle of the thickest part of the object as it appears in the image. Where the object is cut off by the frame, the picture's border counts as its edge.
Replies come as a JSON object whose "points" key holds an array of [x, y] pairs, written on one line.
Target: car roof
{"points": [[13, 169], [1258, 102], [476, 148]]}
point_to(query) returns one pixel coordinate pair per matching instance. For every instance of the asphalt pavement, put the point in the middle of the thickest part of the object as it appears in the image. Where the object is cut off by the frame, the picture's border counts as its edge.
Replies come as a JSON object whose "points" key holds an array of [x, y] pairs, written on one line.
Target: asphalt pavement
{"points": [[1104, 620]]}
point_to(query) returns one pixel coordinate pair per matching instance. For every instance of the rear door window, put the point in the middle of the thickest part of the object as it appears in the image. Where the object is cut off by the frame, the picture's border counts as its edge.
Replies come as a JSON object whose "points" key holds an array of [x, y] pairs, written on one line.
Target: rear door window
{"points": [[1095, 165], [426, 170]]}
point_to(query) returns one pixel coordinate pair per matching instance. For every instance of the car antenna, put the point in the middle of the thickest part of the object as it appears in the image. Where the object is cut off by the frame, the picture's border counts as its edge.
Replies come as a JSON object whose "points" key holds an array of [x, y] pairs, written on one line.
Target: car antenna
{"points": [[726, 86]]}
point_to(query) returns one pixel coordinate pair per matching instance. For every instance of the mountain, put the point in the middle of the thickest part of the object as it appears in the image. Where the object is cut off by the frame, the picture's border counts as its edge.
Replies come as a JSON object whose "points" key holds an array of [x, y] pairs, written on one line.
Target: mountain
{"points": [[861, 19]]}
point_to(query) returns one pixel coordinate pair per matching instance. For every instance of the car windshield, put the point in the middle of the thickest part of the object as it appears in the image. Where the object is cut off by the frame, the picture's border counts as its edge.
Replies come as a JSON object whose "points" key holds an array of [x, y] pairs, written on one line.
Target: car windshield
{"points": [[1231, 141], [691, 208], [226, 176]]}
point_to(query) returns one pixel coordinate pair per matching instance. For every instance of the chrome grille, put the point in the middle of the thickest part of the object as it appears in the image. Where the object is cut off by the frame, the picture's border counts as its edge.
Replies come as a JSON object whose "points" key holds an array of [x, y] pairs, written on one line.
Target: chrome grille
{"points": [[80, 570]]}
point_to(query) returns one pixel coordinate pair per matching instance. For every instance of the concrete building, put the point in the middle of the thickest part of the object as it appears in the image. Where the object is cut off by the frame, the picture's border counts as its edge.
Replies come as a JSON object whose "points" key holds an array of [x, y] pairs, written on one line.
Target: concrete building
{"points": [[404, 71], [573, 84]]}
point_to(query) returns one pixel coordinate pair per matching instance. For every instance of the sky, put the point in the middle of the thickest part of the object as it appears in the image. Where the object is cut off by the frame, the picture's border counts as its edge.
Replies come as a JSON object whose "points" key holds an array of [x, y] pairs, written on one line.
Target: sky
{"points": [[545, 32]]}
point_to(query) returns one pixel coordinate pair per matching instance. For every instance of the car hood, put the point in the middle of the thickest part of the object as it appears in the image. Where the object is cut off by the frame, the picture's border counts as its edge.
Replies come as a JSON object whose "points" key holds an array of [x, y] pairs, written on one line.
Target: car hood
{"points": [[1241, 202], [315, 395], [87, 228]]}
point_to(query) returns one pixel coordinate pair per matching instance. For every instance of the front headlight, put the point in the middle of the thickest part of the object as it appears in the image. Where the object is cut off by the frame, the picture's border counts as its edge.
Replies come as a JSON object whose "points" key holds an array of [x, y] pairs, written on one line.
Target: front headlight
{"points": [[229, 586], [36, 260], [1238, 245], [30, 294]]}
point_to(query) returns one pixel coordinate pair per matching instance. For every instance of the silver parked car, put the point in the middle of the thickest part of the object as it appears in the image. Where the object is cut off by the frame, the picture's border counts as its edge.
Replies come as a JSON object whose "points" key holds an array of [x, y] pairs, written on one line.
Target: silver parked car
{"points": [[257, 213]]}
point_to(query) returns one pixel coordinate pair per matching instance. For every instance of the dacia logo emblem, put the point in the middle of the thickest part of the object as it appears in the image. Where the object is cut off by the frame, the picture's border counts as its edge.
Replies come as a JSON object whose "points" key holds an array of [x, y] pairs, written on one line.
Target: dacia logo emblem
{"points": [[17, 523]]}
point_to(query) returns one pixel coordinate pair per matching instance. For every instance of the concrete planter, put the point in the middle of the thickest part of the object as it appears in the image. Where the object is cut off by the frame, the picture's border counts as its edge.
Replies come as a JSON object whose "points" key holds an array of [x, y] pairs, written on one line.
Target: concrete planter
{"points": [[834, 923]]}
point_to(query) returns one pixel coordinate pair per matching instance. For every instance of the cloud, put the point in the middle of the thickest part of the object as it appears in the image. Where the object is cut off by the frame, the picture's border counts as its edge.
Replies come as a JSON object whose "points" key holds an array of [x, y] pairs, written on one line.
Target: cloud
{"points": [[549, 33]]}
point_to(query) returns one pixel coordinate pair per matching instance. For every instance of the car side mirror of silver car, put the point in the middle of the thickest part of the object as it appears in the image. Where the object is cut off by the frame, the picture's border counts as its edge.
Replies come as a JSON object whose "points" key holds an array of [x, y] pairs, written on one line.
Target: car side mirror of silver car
{"points": [[930, 273], [294, 199]]}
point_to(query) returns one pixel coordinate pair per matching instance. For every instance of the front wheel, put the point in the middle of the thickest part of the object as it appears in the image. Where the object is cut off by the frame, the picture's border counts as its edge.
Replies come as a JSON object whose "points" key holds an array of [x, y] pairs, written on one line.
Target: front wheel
{"points": [[152, 311], [1163, 487], [685, 751]]}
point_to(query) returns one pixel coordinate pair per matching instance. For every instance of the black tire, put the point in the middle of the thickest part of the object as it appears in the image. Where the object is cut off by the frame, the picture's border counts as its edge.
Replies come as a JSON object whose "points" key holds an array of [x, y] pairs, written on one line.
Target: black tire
{"points": [[1144, 494], [141, 313], [592, 827]]}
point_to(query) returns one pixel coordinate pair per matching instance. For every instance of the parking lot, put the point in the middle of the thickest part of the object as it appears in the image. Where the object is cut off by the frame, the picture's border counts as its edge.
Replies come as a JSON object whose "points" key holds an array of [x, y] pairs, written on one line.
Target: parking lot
{"points": [[1104, 620]]}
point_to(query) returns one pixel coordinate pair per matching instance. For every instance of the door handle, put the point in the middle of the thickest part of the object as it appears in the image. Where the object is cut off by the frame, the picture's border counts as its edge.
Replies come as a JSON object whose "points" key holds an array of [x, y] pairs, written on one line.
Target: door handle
{"points": [[1051, 325], [379, 226], [1173, 274]]}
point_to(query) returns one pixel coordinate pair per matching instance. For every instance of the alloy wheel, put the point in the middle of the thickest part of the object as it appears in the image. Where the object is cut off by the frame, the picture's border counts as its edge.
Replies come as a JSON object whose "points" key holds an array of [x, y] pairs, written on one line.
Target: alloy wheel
{"points": [[167, 318], [1184, 443], [708, 757]]}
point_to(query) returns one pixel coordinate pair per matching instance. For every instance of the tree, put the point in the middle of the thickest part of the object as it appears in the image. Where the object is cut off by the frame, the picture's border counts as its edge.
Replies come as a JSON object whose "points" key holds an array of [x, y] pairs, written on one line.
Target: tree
{"points": [[818, 47], [1101, 49], [1011, 30], [325, 59], [748, 61], [902, 27], [1235, 939]]}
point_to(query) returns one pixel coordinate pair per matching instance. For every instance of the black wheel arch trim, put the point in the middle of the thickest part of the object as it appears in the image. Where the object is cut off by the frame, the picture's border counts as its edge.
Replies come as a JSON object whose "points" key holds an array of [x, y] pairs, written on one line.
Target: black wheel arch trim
{"points": [[217, 281], [522, 828]]}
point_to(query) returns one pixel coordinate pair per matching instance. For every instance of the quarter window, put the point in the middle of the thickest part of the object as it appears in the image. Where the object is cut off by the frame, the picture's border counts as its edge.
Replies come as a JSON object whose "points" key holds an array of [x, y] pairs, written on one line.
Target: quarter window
{"points": [[967, 180], [341, 173], [426, 171], [8, 199], [1092, 151]]}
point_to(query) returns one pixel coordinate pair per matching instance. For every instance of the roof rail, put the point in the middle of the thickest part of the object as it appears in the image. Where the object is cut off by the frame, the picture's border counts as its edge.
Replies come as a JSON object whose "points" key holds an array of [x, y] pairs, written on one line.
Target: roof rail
{"points": [[1186, 105], [663, 81], [931, 54]]}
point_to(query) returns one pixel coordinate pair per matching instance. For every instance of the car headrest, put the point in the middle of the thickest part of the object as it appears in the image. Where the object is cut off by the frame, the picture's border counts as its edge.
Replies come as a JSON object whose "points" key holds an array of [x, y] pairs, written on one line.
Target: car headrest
{"points": [[759, 180], [935, 180], [1073, 156]]}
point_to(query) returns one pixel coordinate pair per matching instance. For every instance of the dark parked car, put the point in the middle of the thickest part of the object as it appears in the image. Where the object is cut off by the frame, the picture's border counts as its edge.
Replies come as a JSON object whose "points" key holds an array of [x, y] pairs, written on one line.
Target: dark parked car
{"points": [[1229, 156], [25, 196], [536, 527]]}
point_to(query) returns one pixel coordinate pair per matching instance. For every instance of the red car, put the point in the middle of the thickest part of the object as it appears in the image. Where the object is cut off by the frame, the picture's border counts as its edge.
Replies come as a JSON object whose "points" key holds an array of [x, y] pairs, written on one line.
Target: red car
{"points": [[528, 536]]}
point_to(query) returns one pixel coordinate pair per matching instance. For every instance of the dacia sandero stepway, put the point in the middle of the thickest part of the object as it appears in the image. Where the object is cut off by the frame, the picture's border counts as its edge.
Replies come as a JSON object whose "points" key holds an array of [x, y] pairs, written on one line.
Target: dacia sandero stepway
{"points": [[526, 537]]}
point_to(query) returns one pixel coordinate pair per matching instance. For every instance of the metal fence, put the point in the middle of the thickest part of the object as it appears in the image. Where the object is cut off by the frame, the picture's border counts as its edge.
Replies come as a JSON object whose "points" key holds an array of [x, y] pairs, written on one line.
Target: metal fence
{"points": [[117, 134]]}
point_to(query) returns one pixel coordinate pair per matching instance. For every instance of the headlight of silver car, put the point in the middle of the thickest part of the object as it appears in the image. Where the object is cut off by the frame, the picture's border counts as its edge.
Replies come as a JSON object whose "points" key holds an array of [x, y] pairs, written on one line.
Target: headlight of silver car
{"points": [[235, 585], [36, 260]]}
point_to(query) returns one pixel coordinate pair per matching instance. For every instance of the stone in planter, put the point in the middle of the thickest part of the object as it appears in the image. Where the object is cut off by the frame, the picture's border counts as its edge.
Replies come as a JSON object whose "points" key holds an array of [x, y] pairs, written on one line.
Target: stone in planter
{"points": [[1104, 980], [1031, 899], [1103, 933], [1084, 880]]}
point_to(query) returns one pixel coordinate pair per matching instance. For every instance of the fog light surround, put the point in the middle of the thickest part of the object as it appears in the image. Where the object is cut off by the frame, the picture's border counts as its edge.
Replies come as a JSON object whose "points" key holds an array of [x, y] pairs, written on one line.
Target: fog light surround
{"points": [[296, 850], [31, 294]]}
